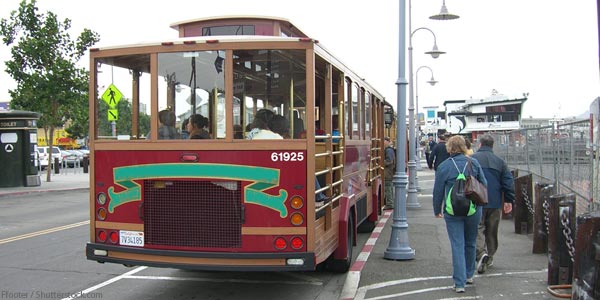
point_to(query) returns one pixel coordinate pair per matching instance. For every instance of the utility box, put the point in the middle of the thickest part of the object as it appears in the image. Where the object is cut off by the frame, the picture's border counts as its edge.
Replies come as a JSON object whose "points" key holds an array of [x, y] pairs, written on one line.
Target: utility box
{"points": [[18, 149]]}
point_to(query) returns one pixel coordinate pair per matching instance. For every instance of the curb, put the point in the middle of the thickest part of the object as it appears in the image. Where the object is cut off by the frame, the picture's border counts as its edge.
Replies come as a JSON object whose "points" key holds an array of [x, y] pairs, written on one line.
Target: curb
{"points": [[20, 193], [350, 287]]}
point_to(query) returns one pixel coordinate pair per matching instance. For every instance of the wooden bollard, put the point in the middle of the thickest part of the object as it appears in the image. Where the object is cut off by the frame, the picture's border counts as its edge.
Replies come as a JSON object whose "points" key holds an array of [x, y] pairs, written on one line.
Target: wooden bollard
{"points": [[541, 219], [523, 208], [586, 268], [561, 231]]}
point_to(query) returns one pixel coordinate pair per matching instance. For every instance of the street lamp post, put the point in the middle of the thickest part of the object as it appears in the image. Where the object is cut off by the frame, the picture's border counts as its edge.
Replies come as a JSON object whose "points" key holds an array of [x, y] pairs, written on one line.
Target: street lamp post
{"points": [[432, 81], [399, 248], [412, 201]]}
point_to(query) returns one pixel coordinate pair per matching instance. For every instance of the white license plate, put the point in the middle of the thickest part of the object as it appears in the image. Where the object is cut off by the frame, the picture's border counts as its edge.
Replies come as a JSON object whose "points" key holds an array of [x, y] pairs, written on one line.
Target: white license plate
{"points": [[131, 238]]}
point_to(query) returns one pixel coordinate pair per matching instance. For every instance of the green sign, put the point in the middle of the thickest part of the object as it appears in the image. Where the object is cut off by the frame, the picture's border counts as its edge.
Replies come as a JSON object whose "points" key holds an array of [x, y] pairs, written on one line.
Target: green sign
{"points": [[113, 114], [112, 96]]}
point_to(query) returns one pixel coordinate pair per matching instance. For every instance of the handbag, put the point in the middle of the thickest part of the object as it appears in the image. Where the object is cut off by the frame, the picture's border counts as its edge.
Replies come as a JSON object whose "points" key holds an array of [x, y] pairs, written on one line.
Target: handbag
{"points": [[474, 189]]}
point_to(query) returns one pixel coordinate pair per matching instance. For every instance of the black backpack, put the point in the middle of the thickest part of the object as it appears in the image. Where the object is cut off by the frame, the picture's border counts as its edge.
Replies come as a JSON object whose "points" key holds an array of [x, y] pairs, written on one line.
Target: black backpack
{"points": [[457, 203]]}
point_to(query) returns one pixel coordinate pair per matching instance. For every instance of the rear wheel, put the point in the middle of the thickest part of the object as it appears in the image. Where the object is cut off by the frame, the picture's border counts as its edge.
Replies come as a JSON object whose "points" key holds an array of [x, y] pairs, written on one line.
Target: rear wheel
{"points": [[343, 265]]}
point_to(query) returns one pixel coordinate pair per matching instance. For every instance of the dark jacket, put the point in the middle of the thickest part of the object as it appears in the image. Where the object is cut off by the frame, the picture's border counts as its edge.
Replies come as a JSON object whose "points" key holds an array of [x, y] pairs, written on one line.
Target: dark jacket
{"points": [[446, 175], [390, 163], [500, 180], [438, 155]]}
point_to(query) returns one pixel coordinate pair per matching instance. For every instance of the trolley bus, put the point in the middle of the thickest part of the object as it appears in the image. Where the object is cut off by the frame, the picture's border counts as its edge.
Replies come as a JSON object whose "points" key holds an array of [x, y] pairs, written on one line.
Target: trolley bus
{"points": [[228, 202]]}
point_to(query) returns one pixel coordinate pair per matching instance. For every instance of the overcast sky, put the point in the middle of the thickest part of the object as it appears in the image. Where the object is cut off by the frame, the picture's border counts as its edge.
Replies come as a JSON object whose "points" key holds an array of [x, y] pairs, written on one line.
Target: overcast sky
{"points": [[548, 49]]}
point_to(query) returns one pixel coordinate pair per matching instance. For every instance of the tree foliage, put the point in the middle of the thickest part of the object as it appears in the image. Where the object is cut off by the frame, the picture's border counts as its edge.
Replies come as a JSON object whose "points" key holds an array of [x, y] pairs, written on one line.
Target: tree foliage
{"points": [[44, 67], [123, 124]]}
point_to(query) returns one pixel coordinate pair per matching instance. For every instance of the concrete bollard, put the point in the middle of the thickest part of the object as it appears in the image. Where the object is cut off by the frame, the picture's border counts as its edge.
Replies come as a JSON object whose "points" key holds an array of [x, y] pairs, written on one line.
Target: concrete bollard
{"points": [[85, 163], [561, 248], [523, 208], [541, 219], [56, 166], [586, 268]]}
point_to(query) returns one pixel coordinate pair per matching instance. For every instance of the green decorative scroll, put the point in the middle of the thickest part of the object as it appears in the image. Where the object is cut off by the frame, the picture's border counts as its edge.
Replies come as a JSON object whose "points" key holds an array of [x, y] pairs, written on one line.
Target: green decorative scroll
{"points": [[262, 178]]}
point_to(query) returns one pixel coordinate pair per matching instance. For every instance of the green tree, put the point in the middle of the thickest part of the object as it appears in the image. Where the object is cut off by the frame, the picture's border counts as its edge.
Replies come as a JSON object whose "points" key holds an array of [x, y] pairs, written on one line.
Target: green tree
{"points": [[44, 67]]}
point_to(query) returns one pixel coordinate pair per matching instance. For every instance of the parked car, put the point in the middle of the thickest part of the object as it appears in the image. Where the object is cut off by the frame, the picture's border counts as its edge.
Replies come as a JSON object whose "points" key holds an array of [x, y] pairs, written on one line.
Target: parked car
{"points": [[44, 156], [71, 158]]}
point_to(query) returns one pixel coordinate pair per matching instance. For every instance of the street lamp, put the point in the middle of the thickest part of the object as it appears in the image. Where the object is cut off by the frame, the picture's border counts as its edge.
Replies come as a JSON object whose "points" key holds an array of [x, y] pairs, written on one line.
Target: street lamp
{"points": [[413, 184], [444, 14], [399, 248], [412, 201], [432, 81]]}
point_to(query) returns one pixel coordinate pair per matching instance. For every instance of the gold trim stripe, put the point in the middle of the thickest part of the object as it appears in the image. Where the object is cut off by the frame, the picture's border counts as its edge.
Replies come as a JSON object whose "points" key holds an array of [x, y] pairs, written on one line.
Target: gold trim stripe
{"points": [[273, 230], [245, 230]]}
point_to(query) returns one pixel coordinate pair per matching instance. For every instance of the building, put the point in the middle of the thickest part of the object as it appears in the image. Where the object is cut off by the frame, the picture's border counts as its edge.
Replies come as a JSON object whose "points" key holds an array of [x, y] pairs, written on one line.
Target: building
{"points": [[474, 117]]}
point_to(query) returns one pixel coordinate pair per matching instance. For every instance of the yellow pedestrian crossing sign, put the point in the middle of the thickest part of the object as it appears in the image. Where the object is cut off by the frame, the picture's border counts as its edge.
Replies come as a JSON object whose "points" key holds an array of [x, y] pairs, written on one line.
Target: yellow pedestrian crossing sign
{"points": [[112, 96], [113, 114]]}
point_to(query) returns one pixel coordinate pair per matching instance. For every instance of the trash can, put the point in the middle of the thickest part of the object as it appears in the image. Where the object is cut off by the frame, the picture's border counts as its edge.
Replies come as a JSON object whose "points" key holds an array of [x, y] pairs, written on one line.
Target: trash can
{"points": [[18, 147]]}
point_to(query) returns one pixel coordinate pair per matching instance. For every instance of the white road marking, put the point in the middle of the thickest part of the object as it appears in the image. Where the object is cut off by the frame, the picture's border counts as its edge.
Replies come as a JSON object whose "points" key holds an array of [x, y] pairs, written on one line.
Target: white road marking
{"points": [[42, 232], [362, 291], [89, 290]]}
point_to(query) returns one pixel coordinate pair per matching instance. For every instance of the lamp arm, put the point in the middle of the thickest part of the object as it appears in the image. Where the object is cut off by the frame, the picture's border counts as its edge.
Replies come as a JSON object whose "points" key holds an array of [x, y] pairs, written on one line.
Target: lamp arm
{"points": [[425, 28]]}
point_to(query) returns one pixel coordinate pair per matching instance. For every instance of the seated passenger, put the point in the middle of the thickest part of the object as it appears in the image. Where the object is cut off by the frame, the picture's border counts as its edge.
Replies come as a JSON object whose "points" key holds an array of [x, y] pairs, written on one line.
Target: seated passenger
{"points": [[166, 128], [238, 134], [198, 127], [260, 126], [185, 134], [298, 125], [280, 125]]}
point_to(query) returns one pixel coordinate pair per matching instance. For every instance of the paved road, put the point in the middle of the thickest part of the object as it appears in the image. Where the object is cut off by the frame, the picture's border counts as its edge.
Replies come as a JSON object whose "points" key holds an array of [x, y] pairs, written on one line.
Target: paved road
{"points": [[42, 242], [42, 238]]}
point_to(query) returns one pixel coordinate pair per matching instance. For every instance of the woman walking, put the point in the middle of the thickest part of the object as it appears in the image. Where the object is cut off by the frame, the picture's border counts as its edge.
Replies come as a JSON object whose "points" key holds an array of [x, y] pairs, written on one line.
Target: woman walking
{"points": [[462, 229]]}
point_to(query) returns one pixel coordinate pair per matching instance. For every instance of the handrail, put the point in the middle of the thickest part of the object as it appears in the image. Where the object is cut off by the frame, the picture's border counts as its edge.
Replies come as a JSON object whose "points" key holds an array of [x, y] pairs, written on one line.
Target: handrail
{"points": [[332, 165], [322, 172], [322, 154], [334, 199]]}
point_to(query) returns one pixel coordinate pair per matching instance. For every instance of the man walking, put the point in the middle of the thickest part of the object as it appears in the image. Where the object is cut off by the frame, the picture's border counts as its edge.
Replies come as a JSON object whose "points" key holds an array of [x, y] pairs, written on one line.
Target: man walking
{"points": [[390, 162], [428, 148], [499, 183], [439, 152]]}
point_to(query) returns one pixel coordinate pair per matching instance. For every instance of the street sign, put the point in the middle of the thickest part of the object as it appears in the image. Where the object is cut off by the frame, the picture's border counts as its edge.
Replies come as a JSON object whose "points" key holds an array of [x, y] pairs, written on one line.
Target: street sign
{"points": [[113, 114], [112, 96]]}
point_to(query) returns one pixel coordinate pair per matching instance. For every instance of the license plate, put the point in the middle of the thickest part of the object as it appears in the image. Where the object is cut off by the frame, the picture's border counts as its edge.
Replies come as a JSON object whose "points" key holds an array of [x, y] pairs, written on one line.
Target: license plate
{"points": [[131, 238]]}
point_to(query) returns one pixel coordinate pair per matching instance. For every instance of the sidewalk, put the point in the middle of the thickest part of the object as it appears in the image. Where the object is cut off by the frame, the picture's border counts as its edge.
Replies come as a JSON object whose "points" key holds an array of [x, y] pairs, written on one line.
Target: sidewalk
{"points": [[516, 273], [68, 179]]}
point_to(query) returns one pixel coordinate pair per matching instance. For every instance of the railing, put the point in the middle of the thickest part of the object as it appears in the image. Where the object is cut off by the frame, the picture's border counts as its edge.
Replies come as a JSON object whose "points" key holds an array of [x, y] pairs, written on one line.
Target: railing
{"points": [[562, 154], [331, 167]]}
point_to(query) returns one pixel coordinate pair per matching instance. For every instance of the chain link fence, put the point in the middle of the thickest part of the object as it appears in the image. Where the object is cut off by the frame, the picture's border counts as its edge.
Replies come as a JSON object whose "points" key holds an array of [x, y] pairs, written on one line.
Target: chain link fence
{"points": [[561, 154]]}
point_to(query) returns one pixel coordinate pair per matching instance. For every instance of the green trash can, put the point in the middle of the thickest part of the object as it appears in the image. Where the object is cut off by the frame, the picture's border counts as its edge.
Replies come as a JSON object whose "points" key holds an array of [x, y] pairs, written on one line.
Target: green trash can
{"points": [[18, 148]]}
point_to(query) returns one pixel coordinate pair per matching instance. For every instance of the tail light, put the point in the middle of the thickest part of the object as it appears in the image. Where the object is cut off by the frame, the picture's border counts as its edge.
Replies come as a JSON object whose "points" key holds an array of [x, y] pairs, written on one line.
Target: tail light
{"points": [[280, 243]]}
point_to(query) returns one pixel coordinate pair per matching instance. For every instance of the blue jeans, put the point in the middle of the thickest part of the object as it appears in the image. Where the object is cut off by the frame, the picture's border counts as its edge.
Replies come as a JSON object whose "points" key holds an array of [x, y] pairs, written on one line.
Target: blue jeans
{"points": [[462, 232]]}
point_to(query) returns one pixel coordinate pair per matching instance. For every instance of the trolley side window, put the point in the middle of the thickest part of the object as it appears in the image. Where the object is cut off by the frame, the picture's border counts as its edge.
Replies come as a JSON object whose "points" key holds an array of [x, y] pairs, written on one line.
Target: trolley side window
{"points": [[271, 79], [122, 97], [192, 83]]}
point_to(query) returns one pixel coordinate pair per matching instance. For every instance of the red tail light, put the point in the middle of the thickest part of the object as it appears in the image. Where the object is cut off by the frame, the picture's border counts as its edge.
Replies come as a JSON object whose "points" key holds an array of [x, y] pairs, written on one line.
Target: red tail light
{"points": [[114, 237], [280, 243], [102, 236], [297, 242]]}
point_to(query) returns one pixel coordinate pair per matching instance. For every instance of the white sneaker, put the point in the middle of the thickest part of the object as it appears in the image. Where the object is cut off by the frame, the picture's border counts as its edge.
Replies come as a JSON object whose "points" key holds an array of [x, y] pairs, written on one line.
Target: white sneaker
{"points": [[459, 289], [482, 264], [470, 280]]}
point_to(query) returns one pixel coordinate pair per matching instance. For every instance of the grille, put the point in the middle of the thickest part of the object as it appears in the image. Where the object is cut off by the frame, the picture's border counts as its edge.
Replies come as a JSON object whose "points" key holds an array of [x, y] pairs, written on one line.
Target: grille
{"points": [[200, 214]]}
